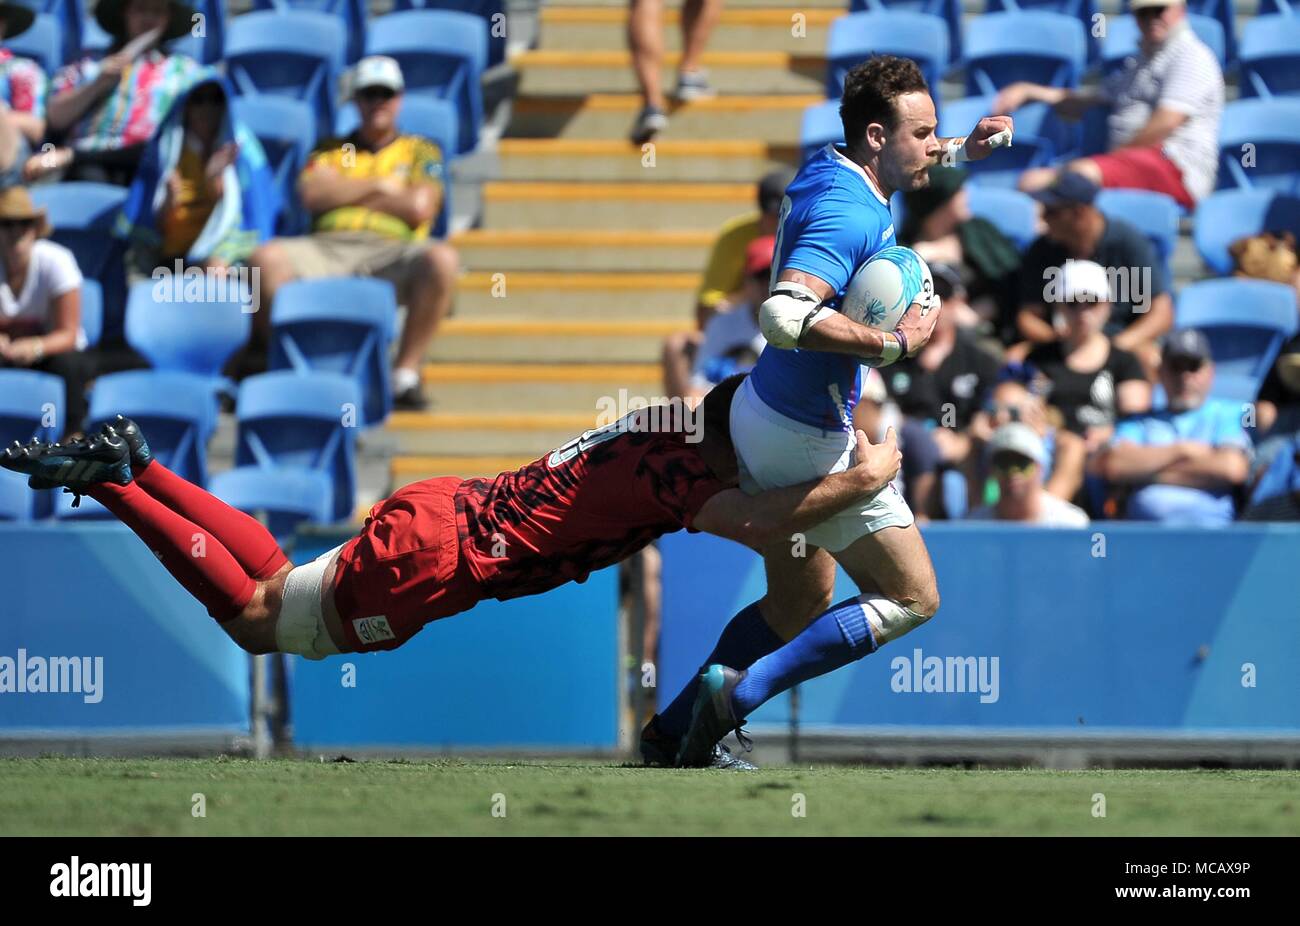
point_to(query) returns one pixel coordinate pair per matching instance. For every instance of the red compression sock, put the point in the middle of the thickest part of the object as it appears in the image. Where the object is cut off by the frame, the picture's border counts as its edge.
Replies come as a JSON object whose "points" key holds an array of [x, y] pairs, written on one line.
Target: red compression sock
{"points": [[247, 540], [194, 557]]}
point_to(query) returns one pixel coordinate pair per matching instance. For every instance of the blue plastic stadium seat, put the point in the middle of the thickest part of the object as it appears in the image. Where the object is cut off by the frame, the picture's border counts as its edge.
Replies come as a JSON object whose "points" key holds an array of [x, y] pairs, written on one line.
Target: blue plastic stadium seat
{"points": [[283, 497], [821, 126], [92, 311], [1154, 214], [1247, 321], [1270, 56], [1121, 41], [1228, 215], [352, 14], [82, 215], [338, 325], [1034, 143], [42, 43], [442, 54], [947, 10], [307, 420], [188, 337], [1265, 134], [31, 405], [1085, 11], [69, 14], [293, 53], [1013, 212], [435, 119], [176, 411], [87, 510], [855, 38], [1001, 48], [286, 129], [491, 12], [17, 502]]}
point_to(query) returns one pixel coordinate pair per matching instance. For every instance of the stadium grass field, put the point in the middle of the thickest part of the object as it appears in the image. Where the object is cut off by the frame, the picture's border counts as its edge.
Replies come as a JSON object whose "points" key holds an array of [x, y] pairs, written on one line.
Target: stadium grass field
{"points": [[66, 796]]}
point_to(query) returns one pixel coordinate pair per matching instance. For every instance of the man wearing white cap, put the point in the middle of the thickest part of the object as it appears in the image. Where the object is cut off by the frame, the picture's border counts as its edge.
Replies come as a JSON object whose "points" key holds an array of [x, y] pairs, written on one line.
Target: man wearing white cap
{"points": [[1019, 458], [373, 197], [1165, 105], [1090, 380]]}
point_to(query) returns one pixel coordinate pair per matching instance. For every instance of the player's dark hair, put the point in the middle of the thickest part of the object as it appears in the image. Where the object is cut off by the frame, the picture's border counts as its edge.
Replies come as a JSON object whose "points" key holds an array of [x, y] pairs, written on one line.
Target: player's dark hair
{"points": [[870, 90]]}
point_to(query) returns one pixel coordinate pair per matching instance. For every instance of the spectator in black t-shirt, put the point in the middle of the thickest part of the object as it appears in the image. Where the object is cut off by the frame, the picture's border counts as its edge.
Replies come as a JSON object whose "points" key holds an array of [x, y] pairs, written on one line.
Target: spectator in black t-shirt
{"points": [[945, 384], [1141, 310], [1090, 380], [874, 415]]}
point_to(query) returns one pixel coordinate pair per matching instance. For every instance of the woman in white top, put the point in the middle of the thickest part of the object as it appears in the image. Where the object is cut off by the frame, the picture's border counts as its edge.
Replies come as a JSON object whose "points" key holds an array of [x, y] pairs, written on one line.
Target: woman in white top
{"points": [[40, 300]]}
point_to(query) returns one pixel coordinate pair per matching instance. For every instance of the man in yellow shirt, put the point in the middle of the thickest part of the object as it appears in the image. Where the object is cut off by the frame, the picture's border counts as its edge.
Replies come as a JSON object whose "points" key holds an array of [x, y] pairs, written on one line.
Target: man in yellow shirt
{"points": [[373, 197]]}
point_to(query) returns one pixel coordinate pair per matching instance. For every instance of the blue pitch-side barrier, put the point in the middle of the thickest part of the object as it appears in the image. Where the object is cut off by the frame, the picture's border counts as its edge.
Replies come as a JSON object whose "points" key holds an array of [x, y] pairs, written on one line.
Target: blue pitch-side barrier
{"points": [[148, 659], [538, 672], [1154, 637]]}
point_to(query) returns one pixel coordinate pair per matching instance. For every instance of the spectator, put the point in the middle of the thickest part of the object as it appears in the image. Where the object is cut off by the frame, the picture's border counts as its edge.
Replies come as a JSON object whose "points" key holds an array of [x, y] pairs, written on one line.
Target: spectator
{"points": [[939, 226], [874, 416], [204, 193], [373, 197], [1012, 401], [22, 98], [1141, 307], [1165, 105], [110, 108], [1184, 462], [1086, 376], [731, 340], [40, 300], [645, 40], [724, 274], [1018, 459]]}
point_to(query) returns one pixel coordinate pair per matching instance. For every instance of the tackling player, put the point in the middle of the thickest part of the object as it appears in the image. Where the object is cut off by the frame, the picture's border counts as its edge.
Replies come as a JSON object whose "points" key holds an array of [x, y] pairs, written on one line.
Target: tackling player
{"points": [[438, 547], [792, 420]]}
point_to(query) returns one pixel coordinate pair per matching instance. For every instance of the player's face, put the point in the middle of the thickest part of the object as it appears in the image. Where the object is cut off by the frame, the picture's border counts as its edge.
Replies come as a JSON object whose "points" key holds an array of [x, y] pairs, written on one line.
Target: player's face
{"points": [[911, 146]]}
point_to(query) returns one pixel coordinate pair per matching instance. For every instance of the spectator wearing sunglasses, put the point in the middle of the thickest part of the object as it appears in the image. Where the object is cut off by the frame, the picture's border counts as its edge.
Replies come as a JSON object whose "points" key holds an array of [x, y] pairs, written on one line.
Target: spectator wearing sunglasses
{"points": [[40, 299], [373, 197], [204, 194], [1183, 463], [1018, 459], [1012, 401]]}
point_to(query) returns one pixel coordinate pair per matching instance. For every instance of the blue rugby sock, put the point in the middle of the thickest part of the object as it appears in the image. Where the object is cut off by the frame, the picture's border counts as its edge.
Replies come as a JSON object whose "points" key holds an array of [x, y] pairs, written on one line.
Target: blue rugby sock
{"points": [[746, 638], [836, 638]]}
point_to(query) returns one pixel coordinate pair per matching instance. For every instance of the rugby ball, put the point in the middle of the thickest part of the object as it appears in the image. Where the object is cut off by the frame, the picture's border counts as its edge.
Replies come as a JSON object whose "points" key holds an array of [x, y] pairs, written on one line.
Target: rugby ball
{"points": [[882, 289]]}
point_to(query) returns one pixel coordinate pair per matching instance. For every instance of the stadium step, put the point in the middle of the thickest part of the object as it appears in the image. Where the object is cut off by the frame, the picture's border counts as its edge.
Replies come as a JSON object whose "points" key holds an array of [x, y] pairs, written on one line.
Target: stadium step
{"points": [[615, 205], [616, 159], [771, 118], [484, 434], [406, 470], [768, 29], [572, 388], [547, 72], [563, 295], [526, 340], [504, 250]]}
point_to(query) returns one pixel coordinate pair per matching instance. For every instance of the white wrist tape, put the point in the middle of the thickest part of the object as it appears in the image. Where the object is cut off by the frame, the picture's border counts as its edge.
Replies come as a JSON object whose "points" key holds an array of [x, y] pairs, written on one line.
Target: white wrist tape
{"points": [[891, 351], [956, 148], [790, 311]]}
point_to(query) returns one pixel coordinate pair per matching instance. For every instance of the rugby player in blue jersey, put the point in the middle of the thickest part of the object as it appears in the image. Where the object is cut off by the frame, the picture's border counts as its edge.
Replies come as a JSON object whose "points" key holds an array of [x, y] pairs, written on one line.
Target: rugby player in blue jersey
{"points": [[792, 420]]}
